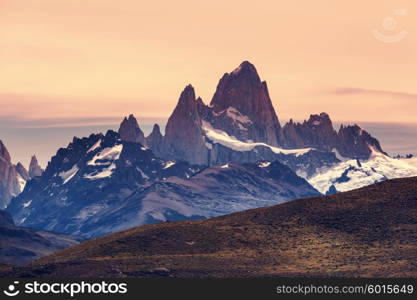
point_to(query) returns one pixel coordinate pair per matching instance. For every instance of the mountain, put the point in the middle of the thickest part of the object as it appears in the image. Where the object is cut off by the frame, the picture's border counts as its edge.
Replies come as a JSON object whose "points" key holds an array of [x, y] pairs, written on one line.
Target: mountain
{"points": [[184, 137], [102, 184], [130, 131], [242, 107], [240, 125], [369, 232], [317, 132], [155, 140], [12, 178], [89, 178], [35, 169], [354, 142], [21, 245]]}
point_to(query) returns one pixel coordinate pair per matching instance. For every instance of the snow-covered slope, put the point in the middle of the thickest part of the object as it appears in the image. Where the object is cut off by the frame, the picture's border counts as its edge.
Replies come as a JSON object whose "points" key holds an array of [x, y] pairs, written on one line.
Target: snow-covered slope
{"points": [[352, 174], [217, 136]]}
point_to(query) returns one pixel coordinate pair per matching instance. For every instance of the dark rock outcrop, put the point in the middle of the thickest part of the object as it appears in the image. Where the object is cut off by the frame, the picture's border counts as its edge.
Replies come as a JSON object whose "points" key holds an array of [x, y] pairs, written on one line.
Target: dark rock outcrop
{"points": [[355, 142], [318, 132], [130, 131]]}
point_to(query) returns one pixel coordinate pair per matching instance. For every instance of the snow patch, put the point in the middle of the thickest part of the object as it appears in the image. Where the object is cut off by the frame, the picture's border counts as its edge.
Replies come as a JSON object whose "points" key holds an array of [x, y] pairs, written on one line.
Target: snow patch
{"points": [[110, 154], [27, 204], [89, 211], [348, 175], [21, 182], [68, 175], [264, 164], [142, 173], [106, 172], [339, 156], [222, 138], [95, 146], [226, 166], [234, 114], [155, 206], [169, 164]]}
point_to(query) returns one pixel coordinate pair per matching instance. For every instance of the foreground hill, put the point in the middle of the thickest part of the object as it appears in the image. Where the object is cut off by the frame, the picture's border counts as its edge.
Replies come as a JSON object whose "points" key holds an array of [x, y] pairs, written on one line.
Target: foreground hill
{"points": [[366, 232]]}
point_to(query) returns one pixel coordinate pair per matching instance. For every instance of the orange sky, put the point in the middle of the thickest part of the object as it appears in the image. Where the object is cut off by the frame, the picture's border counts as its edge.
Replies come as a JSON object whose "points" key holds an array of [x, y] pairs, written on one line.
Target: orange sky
{"points": [[80, 59]]}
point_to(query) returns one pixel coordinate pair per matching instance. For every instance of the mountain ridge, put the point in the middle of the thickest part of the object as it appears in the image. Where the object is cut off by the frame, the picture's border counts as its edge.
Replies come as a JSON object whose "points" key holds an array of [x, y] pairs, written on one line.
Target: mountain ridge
{"points": [[103, 183], [242, 109]]}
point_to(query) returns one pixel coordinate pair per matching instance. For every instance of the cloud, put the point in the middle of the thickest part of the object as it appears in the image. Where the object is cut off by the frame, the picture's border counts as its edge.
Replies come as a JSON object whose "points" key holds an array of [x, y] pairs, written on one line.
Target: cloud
{"points": [[43, 111], [345, 91], [13, 121]]}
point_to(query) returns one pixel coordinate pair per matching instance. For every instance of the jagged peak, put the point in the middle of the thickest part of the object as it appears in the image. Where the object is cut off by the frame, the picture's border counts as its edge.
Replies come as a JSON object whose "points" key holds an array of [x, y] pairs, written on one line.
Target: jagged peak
{"points": [[156, 131], [353, 127], [199, 101], [245, 66], [4, 153], [322, 119], [35, 169], [20, 165], [156, 128], [245, 70], [22, 171], [187, 95], [34, 159], [322, 115], [130, 131], [130, 120]]}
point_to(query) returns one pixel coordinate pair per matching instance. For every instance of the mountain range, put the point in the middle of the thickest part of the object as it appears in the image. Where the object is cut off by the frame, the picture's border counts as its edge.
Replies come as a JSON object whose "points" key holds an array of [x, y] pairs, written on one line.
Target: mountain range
{"points": [[103, 184], [230, 155]]}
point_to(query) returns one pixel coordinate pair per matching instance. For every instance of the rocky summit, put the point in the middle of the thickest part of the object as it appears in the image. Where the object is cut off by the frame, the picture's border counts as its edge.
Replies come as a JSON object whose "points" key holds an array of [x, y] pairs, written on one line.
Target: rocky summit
{"points": [[130, 131], [184, 136], [242, 107], [35, 169], [155, 140], [12, 177]]}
